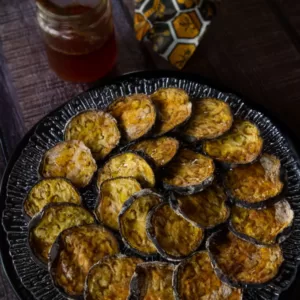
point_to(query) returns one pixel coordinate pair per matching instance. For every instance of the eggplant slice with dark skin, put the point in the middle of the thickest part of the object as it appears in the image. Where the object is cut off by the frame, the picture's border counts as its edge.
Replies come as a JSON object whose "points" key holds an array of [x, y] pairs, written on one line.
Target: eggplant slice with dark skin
{"points": [[75, 251], [258, 184], [44, 227], [136, 115], [97, 129], [205, 209], [189, 172], [241, 145], [174, 109], [240, 263], [161, 150], [265, 226], [132, 222], [110, 278], [175, 238], [194, 278], [50, 190], [71, 160], [210, 119], [152, 280], [113, 194], [127, 164]]}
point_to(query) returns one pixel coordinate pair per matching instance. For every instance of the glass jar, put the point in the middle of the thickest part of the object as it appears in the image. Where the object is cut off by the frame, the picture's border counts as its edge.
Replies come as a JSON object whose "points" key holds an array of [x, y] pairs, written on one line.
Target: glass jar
{"points": [[79, 38]]}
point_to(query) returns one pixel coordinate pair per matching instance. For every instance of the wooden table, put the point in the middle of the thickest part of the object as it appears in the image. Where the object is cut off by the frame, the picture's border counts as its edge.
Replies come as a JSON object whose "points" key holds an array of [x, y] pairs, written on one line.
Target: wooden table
{"points": [[253, 47]]}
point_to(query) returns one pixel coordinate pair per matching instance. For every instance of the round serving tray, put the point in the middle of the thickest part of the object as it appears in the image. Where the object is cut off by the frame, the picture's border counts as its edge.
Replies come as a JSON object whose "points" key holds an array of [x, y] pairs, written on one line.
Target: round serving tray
{"points": [[31, 281]]}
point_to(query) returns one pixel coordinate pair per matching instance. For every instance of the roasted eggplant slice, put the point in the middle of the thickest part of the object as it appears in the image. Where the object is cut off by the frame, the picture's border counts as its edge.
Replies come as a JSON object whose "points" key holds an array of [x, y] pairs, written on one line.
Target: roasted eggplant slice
{"points": [[72, 160], [206, 209], [189, 172], [132, 221], [194, 278], [135, 114], [241, 145], [127, 165], [110, 278], [266, 226], [151, 281], [161, 150], [210, 119], [52, 190], [73, 254], [174, 108], [113, 194], [239, 263], [174, 237], [97, 129], [44, 227], [258, 184]]}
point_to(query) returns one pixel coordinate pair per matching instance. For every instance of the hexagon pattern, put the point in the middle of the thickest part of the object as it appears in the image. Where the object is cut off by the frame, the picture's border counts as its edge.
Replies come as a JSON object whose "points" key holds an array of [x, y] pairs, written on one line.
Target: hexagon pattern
{"points": [[173, 27]]}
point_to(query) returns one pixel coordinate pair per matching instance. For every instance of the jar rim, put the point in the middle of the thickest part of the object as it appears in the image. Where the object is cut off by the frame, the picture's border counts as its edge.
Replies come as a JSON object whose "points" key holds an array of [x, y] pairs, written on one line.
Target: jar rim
{"points": [[67, 17]]}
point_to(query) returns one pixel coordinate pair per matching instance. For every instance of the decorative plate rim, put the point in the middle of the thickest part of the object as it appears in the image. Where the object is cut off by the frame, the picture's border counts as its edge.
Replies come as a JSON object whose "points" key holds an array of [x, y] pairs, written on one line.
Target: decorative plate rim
{"points": [[7, 261]]}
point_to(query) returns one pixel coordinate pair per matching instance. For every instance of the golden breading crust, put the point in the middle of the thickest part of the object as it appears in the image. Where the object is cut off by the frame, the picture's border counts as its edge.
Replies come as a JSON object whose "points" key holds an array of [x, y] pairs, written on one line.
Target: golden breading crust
{"points": [[127, 165], [206, 208], [97, 129], [161, 150], [262, 225], [173, 235], [55, 218], [51, 190], [210, 118], [195, 279], [152, 281], [241, 145], [132, 221], [135, 114], [72, 160], [242, 262], [113, 194], [80, 248], [174, 108], [110, 278], [256, 182]]}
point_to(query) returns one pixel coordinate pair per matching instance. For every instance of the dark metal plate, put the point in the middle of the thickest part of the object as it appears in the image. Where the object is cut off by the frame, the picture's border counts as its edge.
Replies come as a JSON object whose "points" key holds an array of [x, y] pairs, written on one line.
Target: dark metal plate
{"points": [[32, 282]]}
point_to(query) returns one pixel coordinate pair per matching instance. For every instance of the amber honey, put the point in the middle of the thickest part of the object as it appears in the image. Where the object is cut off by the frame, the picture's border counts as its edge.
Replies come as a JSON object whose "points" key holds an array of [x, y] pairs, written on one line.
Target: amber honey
{"points": [[79, 38]]}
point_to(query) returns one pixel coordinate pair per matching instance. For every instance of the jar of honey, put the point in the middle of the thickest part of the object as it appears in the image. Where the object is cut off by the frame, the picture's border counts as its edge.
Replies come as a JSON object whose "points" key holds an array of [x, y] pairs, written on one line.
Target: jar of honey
{"points": [[79, 37]]}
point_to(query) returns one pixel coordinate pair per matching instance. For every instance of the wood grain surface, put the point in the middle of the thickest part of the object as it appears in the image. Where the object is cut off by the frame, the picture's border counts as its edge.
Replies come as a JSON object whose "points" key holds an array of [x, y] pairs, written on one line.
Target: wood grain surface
{"points": [[252, 47]]}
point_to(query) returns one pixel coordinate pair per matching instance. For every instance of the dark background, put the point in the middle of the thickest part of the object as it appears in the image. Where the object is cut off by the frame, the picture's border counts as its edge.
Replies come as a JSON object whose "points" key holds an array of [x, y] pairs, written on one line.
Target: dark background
{"points": [[253, 47]]}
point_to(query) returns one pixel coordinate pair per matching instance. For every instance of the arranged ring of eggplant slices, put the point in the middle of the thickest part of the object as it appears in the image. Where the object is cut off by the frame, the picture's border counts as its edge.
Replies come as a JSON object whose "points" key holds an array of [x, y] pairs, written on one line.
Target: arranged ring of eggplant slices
{"points": [[257, 184], [136, 115], [210, 119], [174, 108], [71, 160], [50, 190], [174, 237], [132, 222], [127, 164], [241, 145], [205, 209], [189, 172], [45, 226], [240, 263], [110, 278], [265, 226], [97, 129], [74, 252], [161, 150], [85, 259], [113, 194], [195, 278], [152, 280]]}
